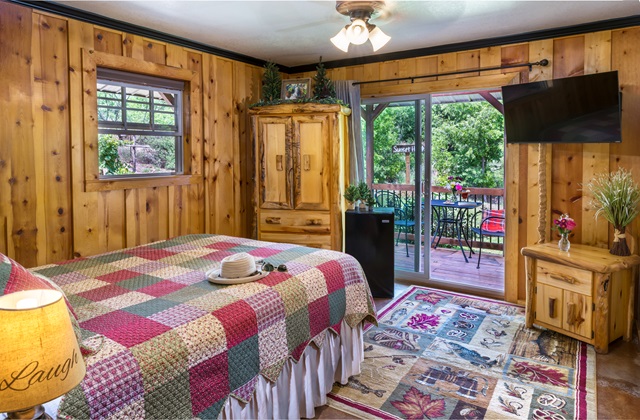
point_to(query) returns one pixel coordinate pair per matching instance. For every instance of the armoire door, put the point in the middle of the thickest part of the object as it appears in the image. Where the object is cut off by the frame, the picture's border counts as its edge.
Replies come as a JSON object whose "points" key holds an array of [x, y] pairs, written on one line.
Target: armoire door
{"points": [[311, 162], [276, 164]]}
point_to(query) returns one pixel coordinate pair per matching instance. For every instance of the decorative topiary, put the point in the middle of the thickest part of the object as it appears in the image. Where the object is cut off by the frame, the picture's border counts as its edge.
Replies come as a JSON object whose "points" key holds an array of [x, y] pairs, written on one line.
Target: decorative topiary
{"points": [[351, 194], [271, 82], [324, 91], [363, 190], [323, 86]]}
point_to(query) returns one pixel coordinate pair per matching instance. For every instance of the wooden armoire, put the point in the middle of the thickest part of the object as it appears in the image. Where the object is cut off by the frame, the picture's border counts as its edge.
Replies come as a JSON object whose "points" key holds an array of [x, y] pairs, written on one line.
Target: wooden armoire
{"points": [[301, 165]]}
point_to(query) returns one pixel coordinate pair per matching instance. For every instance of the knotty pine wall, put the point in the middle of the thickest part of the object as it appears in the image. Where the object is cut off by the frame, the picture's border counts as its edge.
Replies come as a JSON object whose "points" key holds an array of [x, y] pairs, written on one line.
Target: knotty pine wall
{"points": [[569, 166], [45, 214]]}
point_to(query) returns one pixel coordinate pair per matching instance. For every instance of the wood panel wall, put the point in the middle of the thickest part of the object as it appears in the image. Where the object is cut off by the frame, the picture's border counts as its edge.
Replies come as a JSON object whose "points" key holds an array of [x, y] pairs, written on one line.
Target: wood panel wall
{"points": [[569, 166], [45, 213], [46, 216]]}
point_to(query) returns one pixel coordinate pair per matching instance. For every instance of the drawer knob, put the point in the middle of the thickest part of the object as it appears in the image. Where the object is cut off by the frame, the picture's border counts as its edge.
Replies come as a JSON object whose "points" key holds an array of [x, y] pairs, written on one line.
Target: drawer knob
{"points": [[314, 222], [566, 279], [272, 220]]}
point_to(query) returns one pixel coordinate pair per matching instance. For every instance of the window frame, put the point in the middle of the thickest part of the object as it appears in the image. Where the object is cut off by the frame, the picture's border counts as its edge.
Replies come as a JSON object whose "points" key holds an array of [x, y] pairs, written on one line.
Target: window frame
{"points": [[190, 159], [152, 84]]}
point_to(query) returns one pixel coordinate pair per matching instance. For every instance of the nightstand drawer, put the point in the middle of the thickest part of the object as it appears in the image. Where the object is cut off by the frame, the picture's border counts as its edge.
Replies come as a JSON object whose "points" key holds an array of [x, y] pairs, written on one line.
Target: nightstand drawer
{"points": [[564, 277]]}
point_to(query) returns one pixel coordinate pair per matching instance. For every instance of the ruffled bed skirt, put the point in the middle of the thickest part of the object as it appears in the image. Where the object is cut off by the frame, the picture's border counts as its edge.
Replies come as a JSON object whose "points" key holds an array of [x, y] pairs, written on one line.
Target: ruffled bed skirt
{"points": [[304, 385], [301, 386]]}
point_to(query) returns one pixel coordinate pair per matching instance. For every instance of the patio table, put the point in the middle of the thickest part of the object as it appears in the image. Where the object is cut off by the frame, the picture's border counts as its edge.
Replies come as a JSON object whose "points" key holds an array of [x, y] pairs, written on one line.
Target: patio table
{"points": [[452, 213]]}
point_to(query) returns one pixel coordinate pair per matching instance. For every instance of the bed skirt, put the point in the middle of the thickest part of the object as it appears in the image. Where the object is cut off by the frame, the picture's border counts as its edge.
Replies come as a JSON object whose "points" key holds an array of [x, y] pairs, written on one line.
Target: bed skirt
{"points": [[304, 385], [301, 386]]}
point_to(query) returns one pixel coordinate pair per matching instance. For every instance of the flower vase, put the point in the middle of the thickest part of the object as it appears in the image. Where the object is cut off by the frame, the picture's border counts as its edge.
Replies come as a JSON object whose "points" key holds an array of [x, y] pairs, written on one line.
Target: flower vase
{"points": [[620, 247], [564, 243]]}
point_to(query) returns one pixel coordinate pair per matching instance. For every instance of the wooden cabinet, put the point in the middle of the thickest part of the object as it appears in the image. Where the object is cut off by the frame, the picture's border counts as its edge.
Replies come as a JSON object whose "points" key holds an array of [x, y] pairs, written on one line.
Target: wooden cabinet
{"points": [[300, 173], [564, 297], [586, 293]]}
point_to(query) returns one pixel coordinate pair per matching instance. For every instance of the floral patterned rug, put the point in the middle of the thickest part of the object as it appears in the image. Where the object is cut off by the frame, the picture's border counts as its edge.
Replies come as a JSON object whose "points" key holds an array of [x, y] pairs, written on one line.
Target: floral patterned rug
{"points": [[440, 355]]}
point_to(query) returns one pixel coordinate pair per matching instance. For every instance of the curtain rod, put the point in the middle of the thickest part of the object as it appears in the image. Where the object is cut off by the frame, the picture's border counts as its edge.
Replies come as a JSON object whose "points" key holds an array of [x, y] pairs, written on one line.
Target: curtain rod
{"points": [[543, 62]]}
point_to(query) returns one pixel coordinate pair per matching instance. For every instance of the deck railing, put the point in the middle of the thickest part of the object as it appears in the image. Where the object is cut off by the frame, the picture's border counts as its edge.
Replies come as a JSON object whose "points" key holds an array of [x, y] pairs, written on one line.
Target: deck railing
{"points": [[491, 199]]}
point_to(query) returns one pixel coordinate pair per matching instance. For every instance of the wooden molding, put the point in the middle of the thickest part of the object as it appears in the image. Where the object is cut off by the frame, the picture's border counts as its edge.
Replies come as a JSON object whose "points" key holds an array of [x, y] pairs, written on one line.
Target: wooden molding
{"points": [[141, 182]]}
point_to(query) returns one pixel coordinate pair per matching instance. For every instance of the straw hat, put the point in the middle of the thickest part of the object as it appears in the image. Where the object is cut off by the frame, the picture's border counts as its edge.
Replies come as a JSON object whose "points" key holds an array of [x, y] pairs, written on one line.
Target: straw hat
{"points": [[237, 266], [236, 269]]}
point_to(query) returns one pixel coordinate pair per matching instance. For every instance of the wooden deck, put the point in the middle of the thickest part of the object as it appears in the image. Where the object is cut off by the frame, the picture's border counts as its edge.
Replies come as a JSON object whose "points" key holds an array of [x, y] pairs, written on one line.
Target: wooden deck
{"points": [[448, 264]]}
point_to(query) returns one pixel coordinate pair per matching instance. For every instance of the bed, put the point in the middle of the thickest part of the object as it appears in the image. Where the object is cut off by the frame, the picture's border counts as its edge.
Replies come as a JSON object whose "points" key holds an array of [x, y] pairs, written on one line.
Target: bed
{"points": [[167, 343]]}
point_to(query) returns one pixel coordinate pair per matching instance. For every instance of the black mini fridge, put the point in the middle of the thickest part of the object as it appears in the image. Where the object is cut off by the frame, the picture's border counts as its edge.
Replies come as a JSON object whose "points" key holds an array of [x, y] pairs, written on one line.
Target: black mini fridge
{"points": [[369, 238]]}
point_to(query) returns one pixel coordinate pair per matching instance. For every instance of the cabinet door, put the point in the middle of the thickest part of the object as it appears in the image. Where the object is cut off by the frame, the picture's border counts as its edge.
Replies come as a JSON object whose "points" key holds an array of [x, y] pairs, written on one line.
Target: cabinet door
{"points": [[577, 314], [549, 305], [312, 162], [275, 168]]}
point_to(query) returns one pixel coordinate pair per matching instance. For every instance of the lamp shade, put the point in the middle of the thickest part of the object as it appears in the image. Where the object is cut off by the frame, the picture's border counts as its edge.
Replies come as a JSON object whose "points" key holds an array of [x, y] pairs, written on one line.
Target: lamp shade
{"points": [[341, 41], [357, 33], [39, 356], [378, 38]]}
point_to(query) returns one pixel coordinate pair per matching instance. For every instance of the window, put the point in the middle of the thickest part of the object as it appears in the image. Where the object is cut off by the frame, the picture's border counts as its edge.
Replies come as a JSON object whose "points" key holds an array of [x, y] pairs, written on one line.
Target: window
{"points": [[140, 127]]}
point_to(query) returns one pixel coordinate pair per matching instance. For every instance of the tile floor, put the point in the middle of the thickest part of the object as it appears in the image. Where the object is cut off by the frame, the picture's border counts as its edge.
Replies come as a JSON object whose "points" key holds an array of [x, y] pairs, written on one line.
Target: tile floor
{"points": [[617, 375]]}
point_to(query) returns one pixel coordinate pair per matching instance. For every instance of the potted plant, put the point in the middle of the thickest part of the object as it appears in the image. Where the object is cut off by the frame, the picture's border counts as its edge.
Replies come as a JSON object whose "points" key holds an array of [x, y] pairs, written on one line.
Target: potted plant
{"points": [[616, 197], [370, 200], [363, 192], [351, 194]]}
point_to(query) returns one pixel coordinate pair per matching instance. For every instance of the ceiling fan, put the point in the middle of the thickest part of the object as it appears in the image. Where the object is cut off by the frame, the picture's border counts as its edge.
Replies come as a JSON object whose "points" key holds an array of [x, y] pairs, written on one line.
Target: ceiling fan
{"points": [[360, 30]]}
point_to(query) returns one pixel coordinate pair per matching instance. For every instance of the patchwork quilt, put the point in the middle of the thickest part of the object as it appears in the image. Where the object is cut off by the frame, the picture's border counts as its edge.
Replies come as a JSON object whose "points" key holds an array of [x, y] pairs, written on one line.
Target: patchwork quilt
{"points": [[170, 344]]}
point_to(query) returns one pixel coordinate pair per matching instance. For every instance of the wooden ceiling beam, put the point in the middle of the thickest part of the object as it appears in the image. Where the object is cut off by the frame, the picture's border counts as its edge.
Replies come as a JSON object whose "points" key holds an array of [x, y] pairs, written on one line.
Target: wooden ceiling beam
{"points": [[492, 100]]}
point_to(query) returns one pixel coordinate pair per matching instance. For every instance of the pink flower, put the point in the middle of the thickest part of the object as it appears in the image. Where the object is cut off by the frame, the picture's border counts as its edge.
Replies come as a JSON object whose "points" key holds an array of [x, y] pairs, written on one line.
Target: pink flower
{"points": [[458, 187], [570, 223], [564, 224]]}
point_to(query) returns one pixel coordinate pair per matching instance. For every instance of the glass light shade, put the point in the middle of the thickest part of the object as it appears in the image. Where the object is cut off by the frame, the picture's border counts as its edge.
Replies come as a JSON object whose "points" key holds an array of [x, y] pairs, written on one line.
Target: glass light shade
{"points": [[378, 38], [358, 32], [39, 358], [341, 41]]}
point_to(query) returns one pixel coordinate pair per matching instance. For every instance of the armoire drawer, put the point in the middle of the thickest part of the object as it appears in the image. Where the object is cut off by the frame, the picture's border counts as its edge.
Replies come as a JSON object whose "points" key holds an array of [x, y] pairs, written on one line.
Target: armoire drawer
{"points": [[311, 240], [295, 221]]}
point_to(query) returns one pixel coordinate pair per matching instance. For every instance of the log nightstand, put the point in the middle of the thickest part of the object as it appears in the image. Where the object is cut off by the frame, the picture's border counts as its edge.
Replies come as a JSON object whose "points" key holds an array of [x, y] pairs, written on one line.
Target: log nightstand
{"points": [[586, 293]]}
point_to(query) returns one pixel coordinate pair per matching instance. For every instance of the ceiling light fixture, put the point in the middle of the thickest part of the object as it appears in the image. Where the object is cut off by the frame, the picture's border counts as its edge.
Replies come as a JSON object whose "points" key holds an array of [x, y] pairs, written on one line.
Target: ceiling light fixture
{"points": [[359, 30]]}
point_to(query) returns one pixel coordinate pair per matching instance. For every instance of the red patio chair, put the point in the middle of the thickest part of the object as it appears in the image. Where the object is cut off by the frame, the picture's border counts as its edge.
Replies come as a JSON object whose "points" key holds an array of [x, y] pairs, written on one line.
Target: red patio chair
{"points": [[492, 225]]}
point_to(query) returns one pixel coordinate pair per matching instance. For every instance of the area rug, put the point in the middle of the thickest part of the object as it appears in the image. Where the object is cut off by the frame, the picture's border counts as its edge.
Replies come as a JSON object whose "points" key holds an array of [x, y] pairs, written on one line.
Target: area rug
{"points": [[440, 355]]}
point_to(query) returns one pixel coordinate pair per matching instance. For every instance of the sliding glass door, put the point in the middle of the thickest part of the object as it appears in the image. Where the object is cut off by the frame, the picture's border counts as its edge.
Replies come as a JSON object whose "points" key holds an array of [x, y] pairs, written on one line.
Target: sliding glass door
{"points": [[418, 149], [394, 136]]}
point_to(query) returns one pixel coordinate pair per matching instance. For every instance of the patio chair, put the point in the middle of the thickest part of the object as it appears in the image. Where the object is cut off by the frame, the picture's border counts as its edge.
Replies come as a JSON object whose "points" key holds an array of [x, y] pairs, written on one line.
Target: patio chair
{"points": [[402, 219], [492, 225]]}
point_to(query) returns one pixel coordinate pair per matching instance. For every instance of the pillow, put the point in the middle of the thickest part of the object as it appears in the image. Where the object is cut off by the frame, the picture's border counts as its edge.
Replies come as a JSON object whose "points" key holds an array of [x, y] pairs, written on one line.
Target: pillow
{"points": [[493, 225], [15, 278]]}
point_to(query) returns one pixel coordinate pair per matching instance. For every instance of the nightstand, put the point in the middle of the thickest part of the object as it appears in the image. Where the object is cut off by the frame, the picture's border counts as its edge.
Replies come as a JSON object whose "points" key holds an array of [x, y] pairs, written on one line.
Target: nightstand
{"points": [[586, 293]]}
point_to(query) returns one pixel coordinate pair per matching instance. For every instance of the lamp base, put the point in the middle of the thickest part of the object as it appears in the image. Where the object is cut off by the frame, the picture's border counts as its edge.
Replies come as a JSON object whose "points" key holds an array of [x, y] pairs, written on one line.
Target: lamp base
{"points": [[36, 412]]}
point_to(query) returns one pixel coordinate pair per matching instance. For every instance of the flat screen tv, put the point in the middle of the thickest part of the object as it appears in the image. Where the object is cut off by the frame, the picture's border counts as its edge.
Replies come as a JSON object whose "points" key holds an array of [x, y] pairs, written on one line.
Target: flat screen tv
{"points": [[580, 109]]}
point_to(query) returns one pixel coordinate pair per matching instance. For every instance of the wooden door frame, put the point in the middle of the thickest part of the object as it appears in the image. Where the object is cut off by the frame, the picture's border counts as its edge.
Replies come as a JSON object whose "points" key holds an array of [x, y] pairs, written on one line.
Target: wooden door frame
{"points": [[512, 258]]}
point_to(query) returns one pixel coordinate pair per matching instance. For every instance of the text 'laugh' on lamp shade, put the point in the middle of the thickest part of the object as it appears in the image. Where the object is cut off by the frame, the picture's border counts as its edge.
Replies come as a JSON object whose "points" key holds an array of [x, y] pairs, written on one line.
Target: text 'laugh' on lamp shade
{"points": [[39, 356]]}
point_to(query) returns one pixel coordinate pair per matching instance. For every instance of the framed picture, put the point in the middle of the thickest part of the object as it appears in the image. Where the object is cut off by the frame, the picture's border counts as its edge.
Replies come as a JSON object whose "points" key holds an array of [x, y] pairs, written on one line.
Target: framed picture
{"points": [[295, 89]]}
